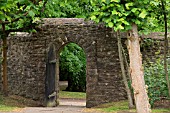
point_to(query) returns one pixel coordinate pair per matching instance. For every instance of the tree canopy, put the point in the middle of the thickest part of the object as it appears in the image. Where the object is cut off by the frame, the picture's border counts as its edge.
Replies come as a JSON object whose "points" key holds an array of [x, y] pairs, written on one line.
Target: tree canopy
{"points": [[20, 15]]}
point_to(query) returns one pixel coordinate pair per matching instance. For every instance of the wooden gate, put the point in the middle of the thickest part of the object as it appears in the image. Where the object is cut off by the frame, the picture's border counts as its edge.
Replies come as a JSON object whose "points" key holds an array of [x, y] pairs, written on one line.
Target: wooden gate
{"points": [[50, 79]]}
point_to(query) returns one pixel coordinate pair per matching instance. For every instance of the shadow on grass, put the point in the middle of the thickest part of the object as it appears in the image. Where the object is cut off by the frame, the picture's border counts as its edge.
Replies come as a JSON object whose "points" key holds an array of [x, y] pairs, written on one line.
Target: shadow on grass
{"points": [[14, 103]]}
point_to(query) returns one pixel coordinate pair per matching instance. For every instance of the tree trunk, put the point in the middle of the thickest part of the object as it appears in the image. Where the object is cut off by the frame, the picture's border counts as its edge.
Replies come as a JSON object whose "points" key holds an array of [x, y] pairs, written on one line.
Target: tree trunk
{"points": [[4, 63], [130, 100], [128, 72], [126, 63], [166, 45], [137, 74]]}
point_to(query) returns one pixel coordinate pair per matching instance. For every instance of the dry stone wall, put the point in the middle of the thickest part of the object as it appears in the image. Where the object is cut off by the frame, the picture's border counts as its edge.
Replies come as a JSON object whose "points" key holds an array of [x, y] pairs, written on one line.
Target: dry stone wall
{"points": [[27, 59]]}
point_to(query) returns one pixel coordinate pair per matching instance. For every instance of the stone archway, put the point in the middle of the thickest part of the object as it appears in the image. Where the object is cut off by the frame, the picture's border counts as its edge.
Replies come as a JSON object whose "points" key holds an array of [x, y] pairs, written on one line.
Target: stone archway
{"points": [[72, 54], [91, 69]]}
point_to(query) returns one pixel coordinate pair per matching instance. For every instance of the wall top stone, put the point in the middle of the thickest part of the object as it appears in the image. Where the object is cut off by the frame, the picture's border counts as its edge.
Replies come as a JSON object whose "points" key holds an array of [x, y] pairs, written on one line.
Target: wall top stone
{"points": [[63, 21], [81, 21]]}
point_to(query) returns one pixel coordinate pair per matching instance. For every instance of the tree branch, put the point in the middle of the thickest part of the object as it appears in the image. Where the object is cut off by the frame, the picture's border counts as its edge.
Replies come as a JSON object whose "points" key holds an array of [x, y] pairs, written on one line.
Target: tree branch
{"points": [[24, 28], [14, 20], [165, 44]]}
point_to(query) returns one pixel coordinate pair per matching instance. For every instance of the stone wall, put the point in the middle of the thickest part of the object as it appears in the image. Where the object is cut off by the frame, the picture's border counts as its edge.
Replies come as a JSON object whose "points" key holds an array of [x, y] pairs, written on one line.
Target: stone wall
{"points": [[27, 59], [27, 55], [152, 49]]}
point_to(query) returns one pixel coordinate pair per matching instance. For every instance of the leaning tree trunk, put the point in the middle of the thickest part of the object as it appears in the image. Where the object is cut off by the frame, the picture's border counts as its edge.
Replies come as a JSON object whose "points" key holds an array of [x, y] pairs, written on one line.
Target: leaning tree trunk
{"points": [[130, 100], [4, 63], [136, 70]]}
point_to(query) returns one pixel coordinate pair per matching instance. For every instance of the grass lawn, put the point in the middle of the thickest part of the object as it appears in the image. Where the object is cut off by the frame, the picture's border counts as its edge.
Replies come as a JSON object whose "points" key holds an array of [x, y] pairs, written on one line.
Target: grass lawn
{"points": [[122, 106], [4, 106], [16, 103], [76, 95], [113, 107]]}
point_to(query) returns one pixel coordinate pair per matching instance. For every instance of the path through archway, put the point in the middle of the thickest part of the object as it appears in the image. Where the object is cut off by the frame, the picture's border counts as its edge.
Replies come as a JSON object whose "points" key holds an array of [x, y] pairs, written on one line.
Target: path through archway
{"points": [[72, 76]]}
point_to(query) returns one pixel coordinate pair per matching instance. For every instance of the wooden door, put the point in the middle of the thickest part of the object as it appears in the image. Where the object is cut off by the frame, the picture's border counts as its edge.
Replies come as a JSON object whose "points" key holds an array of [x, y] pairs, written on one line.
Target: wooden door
{"points": [[50, 79]]}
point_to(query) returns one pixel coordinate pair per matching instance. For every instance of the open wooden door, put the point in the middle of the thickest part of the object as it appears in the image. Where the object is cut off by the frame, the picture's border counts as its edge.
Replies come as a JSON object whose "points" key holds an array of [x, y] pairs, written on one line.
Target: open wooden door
{"points": [[50, 79]]}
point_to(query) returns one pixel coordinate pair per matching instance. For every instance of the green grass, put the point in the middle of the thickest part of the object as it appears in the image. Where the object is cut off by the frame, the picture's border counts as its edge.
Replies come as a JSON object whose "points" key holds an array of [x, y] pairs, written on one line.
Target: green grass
{"points": [[115, 107], [77, 95], [7, 108], [122, 106], [15, 103], [4, 107], [161, 110]]}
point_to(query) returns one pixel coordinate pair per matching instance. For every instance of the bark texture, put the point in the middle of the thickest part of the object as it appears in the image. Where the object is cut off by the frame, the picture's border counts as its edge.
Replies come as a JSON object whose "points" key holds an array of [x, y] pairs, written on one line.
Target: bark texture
{"points": [[4, 63], [137, 74], [130, 100]]}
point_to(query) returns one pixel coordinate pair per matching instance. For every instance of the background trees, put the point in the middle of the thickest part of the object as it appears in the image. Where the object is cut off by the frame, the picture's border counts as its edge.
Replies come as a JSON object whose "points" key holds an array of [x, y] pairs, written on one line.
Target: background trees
{"points": [[67, 9], [73, 67]]}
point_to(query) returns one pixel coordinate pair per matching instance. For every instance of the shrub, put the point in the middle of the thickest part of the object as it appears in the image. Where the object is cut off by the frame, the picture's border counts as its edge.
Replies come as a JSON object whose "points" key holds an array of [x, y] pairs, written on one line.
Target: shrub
{"points": [[156, 81], [73, 67]]}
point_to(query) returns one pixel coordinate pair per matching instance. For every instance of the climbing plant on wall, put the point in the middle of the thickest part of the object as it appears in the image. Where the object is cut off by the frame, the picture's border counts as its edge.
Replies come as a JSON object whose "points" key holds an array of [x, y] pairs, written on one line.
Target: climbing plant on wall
{"points": [[155, 79]]}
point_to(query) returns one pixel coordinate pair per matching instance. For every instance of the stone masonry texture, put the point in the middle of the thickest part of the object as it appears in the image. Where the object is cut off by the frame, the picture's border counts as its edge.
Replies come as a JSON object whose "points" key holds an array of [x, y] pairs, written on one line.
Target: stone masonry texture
{"points": [[27, 55]]}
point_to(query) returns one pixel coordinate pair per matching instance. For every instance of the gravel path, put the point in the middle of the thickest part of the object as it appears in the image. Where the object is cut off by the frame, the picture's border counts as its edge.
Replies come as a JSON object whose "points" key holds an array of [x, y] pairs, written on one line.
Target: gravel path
{"points": [[60, 109]]}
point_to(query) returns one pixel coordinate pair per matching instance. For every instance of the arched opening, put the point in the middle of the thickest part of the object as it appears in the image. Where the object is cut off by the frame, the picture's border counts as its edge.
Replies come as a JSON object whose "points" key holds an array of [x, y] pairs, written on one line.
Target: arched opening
{"points": [[72, 76]]}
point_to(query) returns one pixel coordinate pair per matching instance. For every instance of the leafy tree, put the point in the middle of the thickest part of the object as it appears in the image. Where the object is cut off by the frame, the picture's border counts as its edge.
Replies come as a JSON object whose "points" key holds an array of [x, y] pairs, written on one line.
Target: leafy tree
{"points": [[17, 15], [147, 16], [127, 15], [164, 13], [73, 67]]}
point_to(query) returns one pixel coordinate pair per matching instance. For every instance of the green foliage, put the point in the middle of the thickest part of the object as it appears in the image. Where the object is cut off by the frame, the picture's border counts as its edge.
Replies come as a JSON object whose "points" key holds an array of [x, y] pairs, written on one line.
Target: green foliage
{"points": [[19, 15], [4, 107], [147, 43], [73, 67], [119, 14], [67, 8], [156, 81], [155, 19]]}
